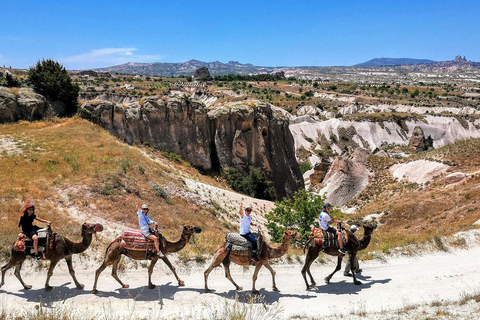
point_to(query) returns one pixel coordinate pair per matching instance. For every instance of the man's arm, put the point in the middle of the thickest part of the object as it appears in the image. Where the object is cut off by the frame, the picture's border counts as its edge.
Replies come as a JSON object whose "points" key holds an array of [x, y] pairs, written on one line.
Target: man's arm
{"points": [[241, 210]]}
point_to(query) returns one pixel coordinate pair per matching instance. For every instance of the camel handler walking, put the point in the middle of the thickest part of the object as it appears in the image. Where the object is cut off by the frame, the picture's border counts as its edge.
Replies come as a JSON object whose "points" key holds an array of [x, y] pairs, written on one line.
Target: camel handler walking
{"points": [[145, 222], [245, 223], [324, 219], [356, 266]]}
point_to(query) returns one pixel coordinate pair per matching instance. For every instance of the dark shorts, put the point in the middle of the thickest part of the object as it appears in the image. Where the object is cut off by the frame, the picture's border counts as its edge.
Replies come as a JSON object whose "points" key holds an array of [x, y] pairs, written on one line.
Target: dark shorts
{"points": [[33, 231], [331, 230]]}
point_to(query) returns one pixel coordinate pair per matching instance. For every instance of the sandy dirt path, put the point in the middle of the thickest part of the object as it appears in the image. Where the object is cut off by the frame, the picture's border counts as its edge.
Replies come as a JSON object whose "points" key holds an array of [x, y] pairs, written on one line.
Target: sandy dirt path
{"points": [[389, 285]]}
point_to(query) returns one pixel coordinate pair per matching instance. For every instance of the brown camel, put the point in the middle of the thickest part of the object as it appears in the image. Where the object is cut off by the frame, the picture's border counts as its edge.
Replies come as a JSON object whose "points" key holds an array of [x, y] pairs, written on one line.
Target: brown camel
{"points": [[352, 245], [63, 248], [115, 251], [224, 256]]}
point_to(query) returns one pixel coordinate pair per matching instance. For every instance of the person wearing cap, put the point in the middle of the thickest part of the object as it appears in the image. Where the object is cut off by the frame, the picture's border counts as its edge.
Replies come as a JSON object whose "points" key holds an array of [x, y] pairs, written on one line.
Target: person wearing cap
{"points": [[28, 228], [356, 266], [245, 223], [324, 219], [145, 222]]}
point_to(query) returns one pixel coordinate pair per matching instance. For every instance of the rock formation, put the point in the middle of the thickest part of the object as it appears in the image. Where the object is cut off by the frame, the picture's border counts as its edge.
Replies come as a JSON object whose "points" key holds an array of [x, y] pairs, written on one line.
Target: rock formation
{"points": [[23, 104], [346, 178], [202, 73], [418, 143], [319, 172], [236, 134]]}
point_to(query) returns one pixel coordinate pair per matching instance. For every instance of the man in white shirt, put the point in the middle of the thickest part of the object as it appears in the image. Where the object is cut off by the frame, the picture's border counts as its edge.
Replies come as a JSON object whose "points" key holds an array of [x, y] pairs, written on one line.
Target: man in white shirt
{"points": [[324, 219]]}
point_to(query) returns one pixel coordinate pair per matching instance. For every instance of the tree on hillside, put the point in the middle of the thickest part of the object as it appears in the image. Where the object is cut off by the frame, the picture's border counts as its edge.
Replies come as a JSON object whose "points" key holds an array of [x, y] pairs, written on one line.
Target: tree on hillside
{"points": [[296, 214], [50, 79]]}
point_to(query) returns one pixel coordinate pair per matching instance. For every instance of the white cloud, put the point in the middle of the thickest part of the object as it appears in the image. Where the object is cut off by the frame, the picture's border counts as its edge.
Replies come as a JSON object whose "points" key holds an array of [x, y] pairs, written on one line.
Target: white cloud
{"points": [[98, 58]]}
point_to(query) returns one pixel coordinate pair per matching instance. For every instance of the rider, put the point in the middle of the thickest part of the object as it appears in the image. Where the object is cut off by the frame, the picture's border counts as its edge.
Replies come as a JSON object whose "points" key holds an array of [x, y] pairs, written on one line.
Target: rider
{"points": [[324, 219], [356, 266], [26, 222], [144, 221], [245, 223]]}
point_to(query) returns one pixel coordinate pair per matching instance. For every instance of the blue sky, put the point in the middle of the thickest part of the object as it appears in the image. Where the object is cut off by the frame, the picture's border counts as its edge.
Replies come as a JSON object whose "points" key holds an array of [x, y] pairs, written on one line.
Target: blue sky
{"points": [[91, 34]]}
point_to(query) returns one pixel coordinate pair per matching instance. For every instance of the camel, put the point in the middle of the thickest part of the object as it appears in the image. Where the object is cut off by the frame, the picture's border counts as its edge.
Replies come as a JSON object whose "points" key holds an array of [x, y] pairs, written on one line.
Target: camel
{"points": [[352, 245], [266, 252], [63, 248], [115, 251]]}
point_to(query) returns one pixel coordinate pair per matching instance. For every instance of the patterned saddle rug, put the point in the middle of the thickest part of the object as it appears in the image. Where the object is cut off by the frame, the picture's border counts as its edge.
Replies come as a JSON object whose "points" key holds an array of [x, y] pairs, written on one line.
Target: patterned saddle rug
{"points": [[326, 239], [235, 242], [133, 239]]}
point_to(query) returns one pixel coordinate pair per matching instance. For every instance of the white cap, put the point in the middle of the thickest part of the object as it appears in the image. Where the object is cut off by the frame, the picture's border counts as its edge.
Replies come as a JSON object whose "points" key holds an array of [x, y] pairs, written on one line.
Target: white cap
{"points": [[353, 227], [144, 206]]}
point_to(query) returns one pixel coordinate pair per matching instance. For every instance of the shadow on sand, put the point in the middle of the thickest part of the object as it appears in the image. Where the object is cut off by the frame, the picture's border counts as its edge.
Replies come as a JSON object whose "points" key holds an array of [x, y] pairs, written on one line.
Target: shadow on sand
{"points": [[347, 286]]}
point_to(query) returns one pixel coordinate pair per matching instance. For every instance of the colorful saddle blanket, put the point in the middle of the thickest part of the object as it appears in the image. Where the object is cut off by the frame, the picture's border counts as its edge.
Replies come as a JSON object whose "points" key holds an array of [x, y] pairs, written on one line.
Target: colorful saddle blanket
{"points": [[133, 239], [326, 239]]}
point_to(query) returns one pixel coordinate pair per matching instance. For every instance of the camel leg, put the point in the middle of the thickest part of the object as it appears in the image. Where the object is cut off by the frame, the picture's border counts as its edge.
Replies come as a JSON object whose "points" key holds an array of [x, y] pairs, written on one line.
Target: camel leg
{"points": [[226, 265], [269, 267], [352, 268], [254, 278], [114, 273], [97, 274], [68, 259], [306, 269], [338, 267], [150, 271], [167, 262], [53, 264], [216, 261], [16, 260]]}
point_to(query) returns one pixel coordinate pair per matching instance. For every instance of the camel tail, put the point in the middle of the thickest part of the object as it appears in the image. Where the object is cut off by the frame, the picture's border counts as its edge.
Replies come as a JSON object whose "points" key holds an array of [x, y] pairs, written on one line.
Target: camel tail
{"points": [[307, 244]]}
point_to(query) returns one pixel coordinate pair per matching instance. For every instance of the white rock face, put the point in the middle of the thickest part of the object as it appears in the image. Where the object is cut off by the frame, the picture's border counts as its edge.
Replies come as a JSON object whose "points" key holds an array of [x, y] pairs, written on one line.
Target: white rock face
{"points": [[419, 171]]}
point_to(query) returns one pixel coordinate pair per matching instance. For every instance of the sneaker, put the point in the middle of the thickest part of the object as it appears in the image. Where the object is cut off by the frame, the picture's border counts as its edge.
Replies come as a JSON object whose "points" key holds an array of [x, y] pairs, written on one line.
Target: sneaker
{"points": [[38, 256], [342, 251]]}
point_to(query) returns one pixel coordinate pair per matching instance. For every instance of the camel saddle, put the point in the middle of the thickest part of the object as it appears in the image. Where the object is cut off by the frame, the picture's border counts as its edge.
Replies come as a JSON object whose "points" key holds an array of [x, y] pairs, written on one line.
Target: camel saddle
{"points": [[25, 244], [326, 239], [133, 239], [235, 242]]}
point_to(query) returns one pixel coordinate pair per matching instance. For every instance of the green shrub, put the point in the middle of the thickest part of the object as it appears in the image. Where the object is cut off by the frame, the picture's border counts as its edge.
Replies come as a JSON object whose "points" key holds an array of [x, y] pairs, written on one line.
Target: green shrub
{"points": [[254, 183], [295, 214], [51, 79]]}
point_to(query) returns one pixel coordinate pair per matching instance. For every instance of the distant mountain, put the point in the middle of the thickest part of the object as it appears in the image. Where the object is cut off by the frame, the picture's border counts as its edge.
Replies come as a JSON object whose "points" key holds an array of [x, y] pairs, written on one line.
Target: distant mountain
{"points": [[383, 62], [187, 68]]}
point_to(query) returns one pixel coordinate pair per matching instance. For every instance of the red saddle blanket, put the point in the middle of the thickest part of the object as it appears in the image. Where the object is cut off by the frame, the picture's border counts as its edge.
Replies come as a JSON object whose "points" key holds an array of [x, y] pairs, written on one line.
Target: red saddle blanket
{"points": [[133, 239], [324, 238]]}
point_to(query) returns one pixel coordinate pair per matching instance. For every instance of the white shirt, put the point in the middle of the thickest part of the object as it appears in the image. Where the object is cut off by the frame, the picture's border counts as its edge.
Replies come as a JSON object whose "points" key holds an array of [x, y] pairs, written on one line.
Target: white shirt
{"points": [[245, 223], [323, 220]]}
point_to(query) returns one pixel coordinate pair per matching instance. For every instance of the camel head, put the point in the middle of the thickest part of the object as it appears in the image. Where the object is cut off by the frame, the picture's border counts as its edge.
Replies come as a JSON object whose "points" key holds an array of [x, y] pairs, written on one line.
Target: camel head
{"points": [[290, 235], [92, 227], [189, 230], [369, 227]]}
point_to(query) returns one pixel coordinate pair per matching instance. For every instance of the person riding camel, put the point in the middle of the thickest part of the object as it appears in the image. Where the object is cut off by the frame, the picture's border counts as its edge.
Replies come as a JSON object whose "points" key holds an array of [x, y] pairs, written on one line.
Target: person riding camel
{"points": [[324, 219], [28, 228], [145, 222], [245, 223]]}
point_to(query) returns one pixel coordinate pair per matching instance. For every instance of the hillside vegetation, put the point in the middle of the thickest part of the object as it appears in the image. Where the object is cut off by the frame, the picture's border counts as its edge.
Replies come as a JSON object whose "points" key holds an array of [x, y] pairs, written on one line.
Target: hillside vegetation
{"points": [[76, 171]]}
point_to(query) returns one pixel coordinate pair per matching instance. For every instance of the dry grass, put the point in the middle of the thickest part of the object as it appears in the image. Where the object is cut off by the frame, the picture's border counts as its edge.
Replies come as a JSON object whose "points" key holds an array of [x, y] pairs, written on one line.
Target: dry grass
{"points": [[414, 214], [71, 163]]}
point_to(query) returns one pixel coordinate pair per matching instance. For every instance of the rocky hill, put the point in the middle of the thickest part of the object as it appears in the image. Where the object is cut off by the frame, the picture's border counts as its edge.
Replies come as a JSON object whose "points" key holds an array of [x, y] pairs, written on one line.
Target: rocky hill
{"points": [[377, 62]]}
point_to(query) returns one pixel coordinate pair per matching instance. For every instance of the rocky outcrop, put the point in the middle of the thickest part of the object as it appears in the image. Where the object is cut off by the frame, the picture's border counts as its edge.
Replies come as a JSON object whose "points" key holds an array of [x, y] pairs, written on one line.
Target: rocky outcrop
{"points": [[202, 73], [346, 178], [319, 172], [237, 134], [23, 104], [418, 143]]}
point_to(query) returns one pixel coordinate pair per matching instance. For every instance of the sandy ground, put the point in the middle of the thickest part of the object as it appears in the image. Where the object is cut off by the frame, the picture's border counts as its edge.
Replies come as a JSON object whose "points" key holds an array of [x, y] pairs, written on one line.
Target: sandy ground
{"points": [[390, 289]]}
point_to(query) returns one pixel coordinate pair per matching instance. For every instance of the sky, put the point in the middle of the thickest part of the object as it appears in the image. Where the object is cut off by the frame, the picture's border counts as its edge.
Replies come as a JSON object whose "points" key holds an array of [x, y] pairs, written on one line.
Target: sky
{"points": [[92, 34]]}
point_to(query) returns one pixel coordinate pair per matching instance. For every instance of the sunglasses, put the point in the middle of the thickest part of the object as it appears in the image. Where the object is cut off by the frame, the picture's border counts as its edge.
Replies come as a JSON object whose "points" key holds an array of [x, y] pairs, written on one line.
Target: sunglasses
{"points": [[249, 210]]}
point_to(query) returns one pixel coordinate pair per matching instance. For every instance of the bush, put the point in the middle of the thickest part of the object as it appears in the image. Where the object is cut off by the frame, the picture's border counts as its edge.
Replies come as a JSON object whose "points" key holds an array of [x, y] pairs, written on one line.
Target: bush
{"points": [[253, 184], [295, 214], [51, 79]]}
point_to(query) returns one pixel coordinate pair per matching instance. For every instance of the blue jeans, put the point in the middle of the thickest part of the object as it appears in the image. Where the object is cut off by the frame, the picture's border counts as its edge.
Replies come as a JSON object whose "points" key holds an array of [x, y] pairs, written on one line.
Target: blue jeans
{"points": [[250, 238]]}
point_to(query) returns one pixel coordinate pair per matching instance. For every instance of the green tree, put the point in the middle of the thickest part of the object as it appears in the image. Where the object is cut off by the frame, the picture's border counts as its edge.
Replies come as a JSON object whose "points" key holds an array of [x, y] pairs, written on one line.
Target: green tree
{"points": [[10, 81], [50, 79], [295, 214]]}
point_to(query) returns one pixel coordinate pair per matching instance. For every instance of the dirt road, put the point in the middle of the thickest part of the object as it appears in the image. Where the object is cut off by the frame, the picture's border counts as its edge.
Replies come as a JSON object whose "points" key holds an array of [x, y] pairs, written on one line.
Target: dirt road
{"points": [[389, 285]]}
